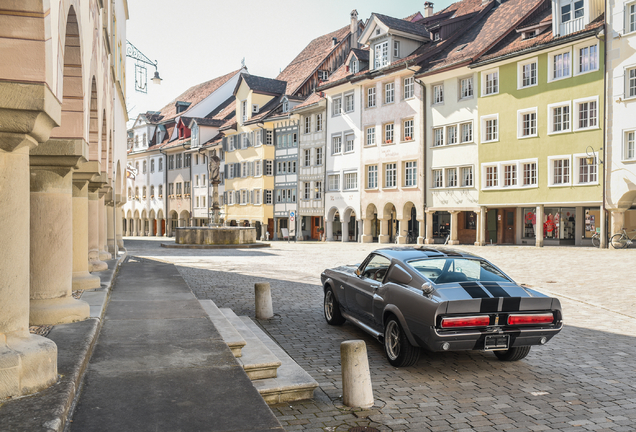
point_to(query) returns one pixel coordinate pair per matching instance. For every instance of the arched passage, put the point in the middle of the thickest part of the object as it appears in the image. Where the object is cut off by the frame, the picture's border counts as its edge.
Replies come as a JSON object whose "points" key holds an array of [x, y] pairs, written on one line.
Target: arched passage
{"points": [[370, 224], [389, 225]]}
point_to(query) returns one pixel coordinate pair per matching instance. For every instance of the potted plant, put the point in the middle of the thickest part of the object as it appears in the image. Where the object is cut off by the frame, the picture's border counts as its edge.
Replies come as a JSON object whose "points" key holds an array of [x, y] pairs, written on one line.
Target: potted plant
{"points": [[407, 138], [388, 141], [321, 230]]}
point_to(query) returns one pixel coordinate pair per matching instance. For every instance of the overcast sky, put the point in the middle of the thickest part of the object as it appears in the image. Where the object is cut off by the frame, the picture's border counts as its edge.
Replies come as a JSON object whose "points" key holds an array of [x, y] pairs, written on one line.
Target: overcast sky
{"points": [[197, 40]]}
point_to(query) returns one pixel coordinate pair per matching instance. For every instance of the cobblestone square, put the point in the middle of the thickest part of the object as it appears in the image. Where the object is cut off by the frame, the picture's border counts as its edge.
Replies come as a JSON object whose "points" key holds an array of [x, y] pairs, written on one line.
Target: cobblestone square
{"points": [[582, 380]]}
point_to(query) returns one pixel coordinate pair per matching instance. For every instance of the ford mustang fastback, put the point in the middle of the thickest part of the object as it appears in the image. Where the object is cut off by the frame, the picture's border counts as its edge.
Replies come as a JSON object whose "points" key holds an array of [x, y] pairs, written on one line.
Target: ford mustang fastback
{"points": [[441, 300]]}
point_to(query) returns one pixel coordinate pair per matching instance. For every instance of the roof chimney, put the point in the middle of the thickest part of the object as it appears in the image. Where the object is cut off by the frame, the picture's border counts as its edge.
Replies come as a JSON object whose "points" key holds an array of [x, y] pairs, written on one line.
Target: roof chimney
{"points": [[334, 41], [428, 9], [354, 29]]}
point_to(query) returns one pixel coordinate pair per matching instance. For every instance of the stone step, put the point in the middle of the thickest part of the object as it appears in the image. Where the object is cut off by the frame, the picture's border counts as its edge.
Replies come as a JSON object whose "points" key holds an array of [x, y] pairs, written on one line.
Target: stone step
{"points": [[292, 382], [257, 360], [230, 335]]}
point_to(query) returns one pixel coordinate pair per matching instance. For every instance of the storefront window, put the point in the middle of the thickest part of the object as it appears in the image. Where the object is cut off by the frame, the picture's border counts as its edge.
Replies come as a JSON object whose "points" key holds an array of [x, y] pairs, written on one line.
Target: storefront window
{"points": [[592, 221], [559, 223], [441, 224], [529, 222], [471, 220]]}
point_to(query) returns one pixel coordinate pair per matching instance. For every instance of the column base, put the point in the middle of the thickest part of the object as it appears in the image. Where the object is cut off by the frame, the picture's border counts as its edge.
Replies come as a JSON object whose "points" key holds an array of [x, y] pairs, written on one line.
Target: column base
{"points": [[27, 365], [429, 241], [384, 239], [401, 240], [453, 242], [478, 243], [420, 240], [57, 311], [539, 243], [367, 239], [97, 266], [105, 256], [85, 281]]}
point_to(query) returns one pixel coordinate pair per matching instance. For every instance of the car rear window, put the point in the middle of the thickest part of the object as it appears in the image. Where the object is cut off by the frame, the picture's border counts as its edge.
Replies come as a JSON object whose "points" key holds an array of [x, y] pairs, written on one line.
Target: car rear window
{"points": [[449, 270]]}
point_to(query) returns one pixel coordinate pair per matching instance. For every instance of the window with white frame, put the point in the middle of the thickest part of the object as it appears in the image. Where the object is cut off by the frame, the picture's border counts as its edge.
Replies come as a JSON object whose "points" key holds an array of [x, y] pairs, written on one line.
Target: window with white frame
{"points": [[492, 179], [630, 25], [269, 167], [318, 122], [490, 82], [586, 173], [381, 54], [389, 93], [527, 123], [559, 64], [587, 58], [196, 180], [319, 156], [307, 157], [370, 140], [629, 146], [372, 177], [438, 178], [318, 190], [349, 142], [527, 73], [307, 190], [559, 117], [268, 196], [388, 133], [336, 106], [349, 106], [258, 168], [466, 88], [244, 111], [410, 174], [509, 175], [350, 181], [559, 170], [257, 197], [467, 176], [307, 124], [396, 49], [371, 97], [467, 132], [196, 202], [586, 113], [438, 94], [407, 130], [152, 165], [390, 175], [438, 137], [333, 182], [409, 87], [451, 134], [230, 197], [160, 164], [336, 145], [630, 85], [529, 173], [490, 128], [144, 167], [451, 177]]}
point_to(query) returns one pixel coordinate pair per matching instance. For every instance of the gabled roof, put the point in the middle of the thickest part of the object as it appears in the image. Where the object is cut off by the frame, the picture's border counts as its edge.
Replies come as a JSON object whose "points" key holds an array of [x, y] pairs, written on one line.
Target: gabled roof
{"points": [[401, 25], [196, 94], [262, 85], [310, 58], [206, 122], [361, 54]]}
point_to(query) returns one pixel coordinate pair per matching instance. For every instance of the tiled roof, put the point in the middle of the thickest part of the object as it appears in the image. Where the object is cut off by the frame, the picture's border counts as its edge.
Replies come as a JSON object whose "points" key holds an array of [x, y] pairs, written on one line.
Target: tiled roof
{"points": [[310, 58], [153, 117], [361, 54], [514, 43], [207, 122], [222, 110], [196, 94], [461, 8], [213, 141], [414, 17], [265, 85], [483, 34], [169, 128], [313, 99], [402, 25]]}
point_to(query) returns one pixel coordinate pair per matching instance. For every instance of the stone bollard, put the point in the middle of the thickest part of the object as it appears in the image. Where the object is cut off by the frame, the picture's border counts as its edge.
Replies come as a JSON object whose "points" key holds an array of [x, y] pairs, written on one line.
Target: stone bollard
{"points": [[263, 296], [356, 378]]}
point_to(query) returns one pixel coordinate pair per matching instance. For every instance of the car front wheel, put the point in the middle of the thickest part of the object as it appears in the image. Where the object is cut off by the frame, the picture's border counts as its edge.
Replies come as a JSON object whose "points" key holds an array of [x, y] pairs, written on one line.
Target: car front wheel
{"points": [[513, 354], [397, 347], [332, 308]]}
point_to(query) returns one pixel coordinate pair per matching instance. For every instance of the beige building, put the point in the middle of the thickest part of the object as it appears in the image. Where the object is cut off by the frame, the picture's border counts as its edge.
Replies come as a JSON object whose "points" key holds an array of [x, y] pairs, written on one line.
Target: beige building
{"points": [[62, 156]]}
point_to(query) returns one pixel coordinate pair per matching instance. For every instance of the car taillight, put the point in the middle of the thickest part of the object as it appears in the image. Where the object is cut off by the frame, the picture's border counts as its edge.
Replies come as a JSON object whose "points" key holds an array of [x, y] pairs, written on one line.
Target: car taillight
{"points": [[521, 319], [470, 321]]}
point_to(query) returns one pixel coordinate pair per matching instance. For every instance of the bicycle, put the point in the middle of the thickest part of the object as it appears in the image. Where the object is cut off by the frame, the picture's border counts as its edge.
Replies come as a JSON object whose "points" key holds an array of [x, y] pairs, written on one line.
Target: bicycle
{"points": [[410, 237], [596, 239], [622, 240]]}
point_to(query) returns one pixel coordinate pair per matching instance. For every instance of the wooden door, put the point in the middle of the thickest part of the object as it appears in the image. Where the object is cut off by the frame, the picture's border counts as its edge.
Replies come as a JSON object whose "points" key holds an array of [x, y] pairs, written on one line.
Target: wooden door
{"points": [[315, 224], [509, 226], [270, 228]]}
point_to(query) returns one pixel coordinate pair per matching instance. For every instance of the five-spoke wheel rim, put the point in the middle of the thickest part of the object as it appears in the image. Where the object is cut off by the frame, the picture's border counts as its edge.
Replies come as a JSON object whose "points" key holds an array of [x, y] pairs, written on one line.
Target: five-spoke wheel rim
{"points": [[329, 305], [392, 340]]}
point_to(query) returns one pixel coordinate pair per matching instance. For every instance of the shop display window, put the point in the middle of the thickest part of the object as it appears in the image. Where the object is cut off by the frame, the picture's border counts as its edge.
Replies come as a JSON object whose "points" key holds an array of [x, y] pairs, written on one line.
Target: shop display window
{"points": [[592, 218]]}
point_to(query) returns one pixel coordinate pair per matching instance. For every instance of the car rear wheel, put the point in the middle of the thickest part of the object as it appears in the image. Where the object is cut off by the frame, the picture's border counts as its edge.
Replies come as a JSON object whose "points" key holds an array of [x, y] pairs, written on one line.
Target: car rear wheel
{"points": [[397, 347], [332, 308], [513, 354]]}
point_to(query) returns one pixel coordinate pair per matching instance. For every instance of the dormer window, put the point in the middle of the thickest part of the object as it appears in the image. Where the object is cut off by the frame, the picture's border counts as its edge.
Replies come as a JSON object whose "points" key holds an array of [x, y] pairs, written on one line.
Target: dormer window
{"points": [[195, 135], [381, 57], [285, 105], [396, 49], [323, 75], [158, 136], [377, 32], [354, 66], [255, 109], [181, 106], [529, 34], [573, 10], [436, 36]]}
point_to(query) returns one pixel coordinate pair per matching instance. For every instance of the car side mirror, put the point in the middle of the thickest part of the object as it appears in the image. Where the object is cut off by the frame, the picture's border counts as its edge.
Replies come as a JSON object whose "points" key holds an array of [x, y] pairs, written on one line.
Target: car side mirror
{"points": [[399, 275], [427, 288], [358, 272]]}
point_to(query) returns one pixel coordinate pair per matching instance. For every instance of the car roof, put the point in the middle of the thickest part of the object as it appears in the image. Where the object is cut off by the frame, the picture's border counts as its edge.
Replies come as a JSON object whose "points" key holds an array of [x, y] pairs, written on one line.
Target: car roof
{"points": [[409, 253]]}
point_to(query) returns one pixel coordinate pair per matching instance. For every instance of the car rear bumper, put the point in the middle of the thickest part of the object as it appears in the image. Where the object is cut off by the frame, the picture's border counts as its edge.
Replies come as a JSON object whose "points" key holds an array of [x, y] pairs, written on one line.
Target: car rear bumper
{"points": [[475, 339]]}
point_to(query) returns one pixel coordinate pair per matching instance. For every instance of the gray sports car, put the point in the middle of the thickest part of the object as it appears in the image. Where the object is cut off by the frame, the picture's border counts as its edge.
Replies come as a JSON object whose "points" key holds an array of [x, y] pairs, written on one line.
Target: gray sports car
{"points": [[441, 300]]}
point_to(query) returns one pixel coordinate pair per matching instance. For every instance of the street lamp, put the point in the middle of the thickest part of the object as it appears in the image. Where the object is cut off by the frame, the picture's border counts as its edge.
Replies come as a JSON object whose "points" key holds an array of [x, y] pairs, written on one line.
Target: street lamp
{"points": [[141, 73], [591, 155]]}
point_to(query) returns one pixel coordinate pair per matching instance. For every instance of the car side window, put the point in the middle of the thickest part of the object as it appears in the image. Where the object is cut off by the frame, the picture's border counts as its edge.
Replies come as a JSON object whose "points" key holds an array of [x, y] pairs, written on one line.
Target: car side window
{"points": [[376, 268]]}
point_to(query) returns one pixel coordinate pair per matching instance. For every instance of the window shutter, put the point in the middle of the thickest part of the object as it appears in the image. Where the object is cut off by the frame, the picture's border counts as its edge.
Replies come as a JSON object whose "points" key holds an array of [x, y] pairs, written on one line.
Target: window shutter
{"points": [[259, 137], [248, 137], [238, 197], [252, 197], [224, 197]]}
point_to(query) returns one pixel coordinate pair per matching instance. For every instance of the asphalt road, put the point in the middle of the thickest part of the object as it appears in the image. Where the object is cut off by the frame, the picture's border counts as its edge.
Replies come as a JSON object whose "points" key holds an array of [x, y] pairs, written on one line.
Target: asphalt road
{"points": [[584, 379]]}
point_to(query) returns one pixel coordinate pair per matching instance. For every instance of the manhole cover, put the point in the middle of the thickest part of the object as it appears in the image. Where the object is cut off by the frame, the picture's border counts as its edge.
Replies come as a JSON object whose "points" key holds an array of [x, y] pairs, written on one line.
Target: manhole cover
{"points": [[363, 429]]}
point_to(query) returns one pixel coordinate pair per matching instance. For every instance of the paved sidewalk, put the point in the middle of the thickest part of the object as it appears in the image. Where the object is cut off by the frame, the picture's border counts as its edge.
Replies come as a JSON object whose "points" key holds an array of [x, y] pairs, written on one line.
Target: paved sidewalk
{"points": [[160, 364]]}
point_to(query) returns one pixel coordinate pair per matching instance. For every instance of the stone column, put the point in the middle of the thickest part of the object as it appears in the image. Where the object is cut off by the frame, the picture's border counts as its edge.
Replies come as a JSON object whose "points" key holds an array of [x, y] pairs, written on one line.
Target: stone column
{"points": [[367, 237], [104, 255], [401, 234], [160, 232], [384, 236], [429, 228], [617, 220], [110, 228], [329, 228], [454, 234], [28, 363], [345, 229], [51, 257], [118, 227], [604, 234], [481, 227], [82, 279], [538, 229], [422, 228], [360, 228], [151, 227], [94, 263]]}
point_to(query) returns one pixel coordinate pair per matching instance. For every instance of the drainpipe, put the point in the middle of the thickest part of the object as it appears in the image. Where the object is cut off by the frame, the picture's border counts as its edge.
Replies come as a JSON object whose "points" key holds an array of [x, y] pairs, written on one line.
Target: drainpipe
{"points": [[165, 191], [424, 150], [603, 211]]}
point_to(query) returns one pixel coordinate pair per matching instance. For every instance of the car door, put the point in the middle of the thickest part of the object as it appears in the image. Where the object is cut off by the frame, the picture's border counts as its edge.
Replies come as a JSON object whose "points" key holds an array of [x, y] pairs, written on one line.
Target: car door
{"points": [[360, 290]]}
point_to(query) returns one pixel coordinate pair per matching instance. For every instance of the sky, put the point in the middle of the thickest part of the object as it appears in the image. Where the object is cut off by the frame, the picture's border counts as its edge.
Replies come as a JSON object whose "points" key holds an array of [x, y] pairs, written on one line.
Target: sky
{"points": [[197, 40]]}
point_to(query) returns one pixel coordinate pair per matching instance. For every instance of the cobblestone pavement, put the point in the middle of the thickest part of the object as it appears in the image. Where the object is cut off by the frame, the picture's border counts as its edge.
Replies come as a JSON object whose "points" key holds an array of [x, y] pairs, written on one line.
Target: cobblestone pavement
{"points": [[582, 380]]}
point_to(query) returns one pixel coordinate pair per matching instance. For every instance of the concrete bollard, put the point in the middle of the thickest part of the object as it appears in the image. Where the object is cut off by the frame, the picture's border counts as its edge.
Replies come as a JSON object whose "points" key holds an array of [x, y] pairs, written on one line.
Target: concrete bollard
{"points": [[356, 378], [263, 297]]}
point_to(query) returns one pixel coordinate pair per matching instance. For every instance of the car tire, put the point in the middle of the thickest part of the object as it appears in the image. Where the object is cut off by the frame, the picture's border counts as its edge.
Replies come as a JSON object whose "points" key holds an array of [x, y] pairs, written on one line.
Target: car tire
{"points": [[397, 347], [331, 308], [513, 354]]}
